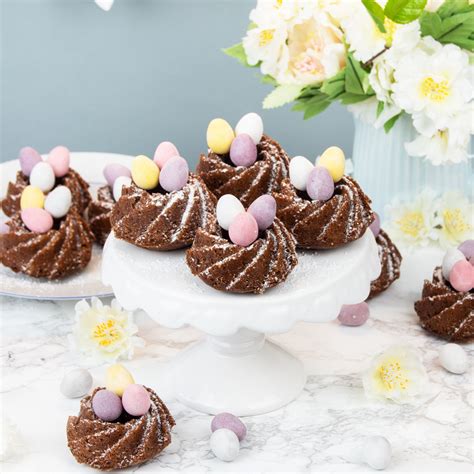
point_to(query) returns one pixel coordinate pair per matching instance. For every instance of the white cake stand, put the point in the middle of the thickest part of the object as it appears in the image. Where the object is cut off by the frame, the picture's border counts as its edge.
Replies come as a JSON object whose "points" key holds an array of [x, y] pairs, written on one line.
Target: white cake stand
{"points": [[235, 368]]}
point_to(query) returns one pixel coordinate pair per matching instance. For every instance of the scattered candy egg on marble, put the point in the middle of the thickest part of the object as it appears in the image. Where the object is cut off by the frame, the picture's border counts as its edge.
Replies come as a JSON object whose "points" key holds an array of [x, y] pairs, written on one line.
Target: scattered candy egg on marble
{"points": [[230, 422], [461, 276], [320, 185], [117, 379], [219, 136], [228, 207], [119, 183], [354, 314], [145, 172], [450, 258], [174, 174], [225, 444], [334, 160], [136, 400], [59, 158], [251, 124], [377, 452], [243, 230], [37, 220], [300, 168], [467, 248], [453, 358], [58, 201], [76, 383], [112, 171], [29, 158], [106, 405], [42, 176], [164, 151], [32, 196], [243, 151], [4, 229], [263, 209], [375, 226]]}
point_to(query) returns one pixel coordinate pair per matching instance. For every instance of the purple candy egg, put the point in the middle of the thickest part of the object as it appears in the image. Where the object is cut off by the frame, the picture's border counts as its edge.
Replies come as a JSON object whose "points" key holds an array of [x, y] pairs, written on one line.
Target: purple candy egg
{"points": [[230, 422], [136, 399], [375, 226], [243, 151], [4, 229], [28, 157], [264, 211], [467, 248], [354, 314], [114, 170], [174, 174], [107, 405], [320, 185]]}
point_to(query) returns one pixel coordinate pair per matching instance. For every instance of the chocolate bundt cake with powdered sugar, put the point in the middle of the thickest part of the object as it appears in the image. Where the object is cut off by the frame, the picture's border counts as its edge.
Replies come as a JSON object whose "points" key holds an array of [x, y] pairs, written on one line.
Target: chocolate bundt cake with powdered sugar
{"points": [[98, 214], [127, 442], [246, 183]]}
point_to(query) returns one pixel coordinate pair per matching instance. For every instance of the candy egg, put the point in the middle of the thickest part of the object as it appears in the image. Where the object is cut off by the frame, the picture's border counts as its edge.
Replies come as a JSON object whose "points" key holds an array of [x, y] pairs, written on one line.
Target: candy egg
{"points": [[112, 171], [58, 201], [164, 151], [243, 151], [76, 383], [461, 276], [228, 207], [32, 196], [136, 400], [230, 422], [243, 230], [145, 172], [377, 452], [117, 379], [334, 160], [354, 314], [119, 183], [250, 124], [29, 158], [375, 226], [174, 174], [320, 186], [467, 248], [453, 358], [42, 176], [300, 168], [106, 405], [37, 220], [59, 158], [219, 136], [225, 444], [450, 258], [263, 209], [4, 229]]}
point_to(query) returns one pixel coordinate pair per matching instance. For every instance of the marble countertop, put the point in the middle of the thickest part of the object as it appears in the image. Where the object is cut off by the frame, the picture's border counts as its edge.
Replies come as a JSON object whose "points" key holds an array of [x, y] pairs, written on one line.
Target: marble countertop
{"points": [[433, 435]]}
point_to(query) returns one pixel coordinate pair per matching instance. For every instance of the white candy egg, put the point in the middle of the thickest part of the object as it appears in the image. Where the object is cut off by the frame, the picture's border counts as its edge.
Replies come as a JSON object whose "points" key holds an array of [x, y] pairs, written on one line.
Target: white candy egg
{"points": [[453, 358], [377, 452], [300, 168], [252, 125], [58, 201], [227, 208], [42, 176], [76, 383], [119, 183], [450, 258], [225, 444]]}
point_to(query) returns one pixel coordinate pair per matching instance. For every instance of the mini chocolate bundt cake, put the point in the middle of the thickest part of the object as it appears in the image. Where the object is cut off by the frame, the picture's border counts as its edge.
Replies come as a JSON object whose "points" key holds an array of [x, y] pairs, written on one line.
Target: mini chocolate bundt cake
{"points": [[98, 214], [127, 442]]}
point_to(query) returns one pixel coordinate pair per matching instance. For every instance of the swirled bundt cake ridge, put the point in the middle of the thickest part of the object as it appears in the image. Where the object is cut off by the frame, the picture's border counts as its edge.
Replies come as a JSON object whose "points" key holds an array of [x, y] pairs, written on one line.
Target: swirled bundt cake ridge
{"points": [[98, 214]]}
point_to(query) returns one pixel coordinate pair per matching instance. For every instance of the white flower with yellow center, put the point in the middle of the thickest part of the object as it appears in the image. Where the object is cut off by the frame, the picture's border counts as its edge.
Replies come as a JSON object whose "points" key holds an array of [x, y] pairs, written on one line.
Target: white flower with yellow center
{"points": [[288, 11], [397, 374]]}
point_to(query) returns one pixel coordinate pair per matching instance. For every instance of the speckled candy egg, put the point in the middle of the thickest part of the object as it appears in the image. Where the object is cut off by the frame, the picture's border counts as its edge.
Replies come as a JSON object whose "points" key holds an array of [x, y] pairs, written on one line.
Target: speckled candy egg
{"points": [[228, 207], [59, 158], [334, 161], [106, 405], [225, 444], [354, 314], [453, 358], [58, 202], [375, 226], [174, 174], [136, 400], [450, 258], [219, 136], [263, 209], [467, 248], [320, 185], [37, 220], [119, 183], [76, 383], [42, 176], [461, 276], [243, 230], [251, 124], [112, 171], [164, 151], [377, 452], [29, 158], [117, 379], [243, 151], [300, 168], [230, 422], [145, 172], [32, 196]]}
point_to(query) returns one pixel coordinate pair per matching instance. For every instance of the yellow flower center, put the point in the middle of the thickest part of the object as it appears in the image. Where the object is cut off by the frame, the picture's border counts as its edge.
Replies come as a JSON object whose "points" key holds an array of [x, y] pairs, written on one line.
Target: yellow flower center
{"points": [[454, 221], [412, 223], [106, 333], [266, 36], [391, 375], [437, 91], [279, 3]]}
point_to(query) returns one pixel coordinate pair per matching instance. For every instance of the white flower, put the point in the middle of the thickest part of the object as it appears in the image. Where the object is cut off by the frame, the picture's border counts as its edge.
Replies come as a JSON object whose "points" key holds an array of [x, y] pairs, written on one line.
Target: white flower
{"points": [[11, 441], [397, 374], [366, 111], [288, 11], [106, 5], [105, 332]]}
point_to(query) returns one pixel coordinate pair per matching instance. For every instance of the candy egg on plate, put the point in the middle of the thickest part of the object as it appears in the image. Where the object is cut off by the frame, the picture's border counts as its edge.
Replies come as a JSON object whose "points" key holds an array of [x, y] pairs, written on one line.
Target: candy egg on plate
{"points": [[230, 422], [58, 201], [451, 257], [106, 405], [119, 183], [164, 151], [354, 314], [251, 124], [227, 208], [263, 209], [145, 172], [243, 151], [300, 168], [117, 379], [59, 158], [219, 136], [136, 400], [37, 220], [112, 171], [320, 185], [225, 444], [29, 158], [243, 230], [334, 160], [453, 358], [174, 174], [42, 176], [76, 383], [31, 196]]}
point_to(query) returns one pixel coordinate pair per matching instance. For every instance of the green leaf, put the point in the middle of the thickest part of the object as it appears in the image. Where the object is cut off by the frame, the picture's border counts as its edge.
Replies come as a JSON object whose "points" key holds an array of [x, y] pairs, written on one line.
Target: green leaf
{"points": [[267, 79], [388, 125], [451, 7], [347, 98], [376, 12], [282, 95], [251, 26], [380, 107], [430, 24], [335, 85], [316, 108], [237, 51], [356, 78], [404, 11]]}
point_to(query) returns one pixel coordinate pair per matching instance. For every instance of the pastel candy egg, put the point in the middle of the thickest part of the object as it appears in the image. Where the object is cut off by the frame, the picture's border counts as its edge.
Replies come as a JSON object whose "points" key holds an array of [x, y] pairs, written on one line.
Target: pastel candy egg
{"points": [[42, 176], [375, 226], [461, 276], [4, 229], [300, 168], [263, 209], [145, 172], [453, 358], [59, 158], [320, 185], [136, 400], [106, 405], [76, 383], [334, 160], [354, 314], [377, 452], [32, 196], [230, 422], [119, 183], [251, 124], [451, 257], [174, 174], [117, 379], [112, 171], [243, 230], [164, 151], [37, 220], [467, 248], [243, 151], [58, 201], [29, 158], [228, 207], [219, 136], [225, 444]]}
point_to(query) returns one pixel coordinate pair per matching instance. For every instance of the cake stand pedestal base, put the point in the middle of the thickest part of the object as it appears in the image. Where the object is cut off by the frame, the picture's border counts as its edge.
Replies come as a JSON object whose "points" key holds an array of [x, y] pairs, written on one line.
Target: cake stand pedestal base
{"points": [[243, 374]]}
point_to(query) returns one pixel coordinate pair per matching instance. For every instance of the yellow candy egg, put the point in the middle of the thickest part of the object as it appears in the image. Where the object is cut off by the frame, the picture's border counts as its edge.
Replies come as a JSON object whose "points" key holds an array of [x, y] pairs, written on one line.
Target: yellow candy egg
{"points": [[219, 136], [32, 197], [145, 172], [334, 161], [118, 378]]}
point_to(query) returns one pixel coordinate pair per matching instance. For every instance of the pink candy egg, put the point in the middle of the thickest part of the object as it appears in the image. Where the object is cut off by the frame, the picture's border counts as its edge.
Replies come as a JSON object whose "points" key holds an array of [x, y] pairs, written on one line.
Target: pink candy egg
{"points": [[243, 151], [354, 314], [243, 230], [263, 209], [59, 158], [174, 174], [37, 220], [28, 157], [467, 248], [136, 400], [320, 185], [461, 276], [375, 226], [112, 171], [164, 151], [106, 405]]}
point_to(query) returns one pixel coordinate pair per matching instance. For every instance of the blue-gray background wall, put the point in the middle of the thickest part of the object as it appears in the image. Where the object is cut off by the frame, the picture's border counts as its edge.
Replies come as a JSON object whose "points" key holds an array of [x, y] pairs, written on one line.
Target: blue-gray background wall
{"points": [[146, 71]]}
